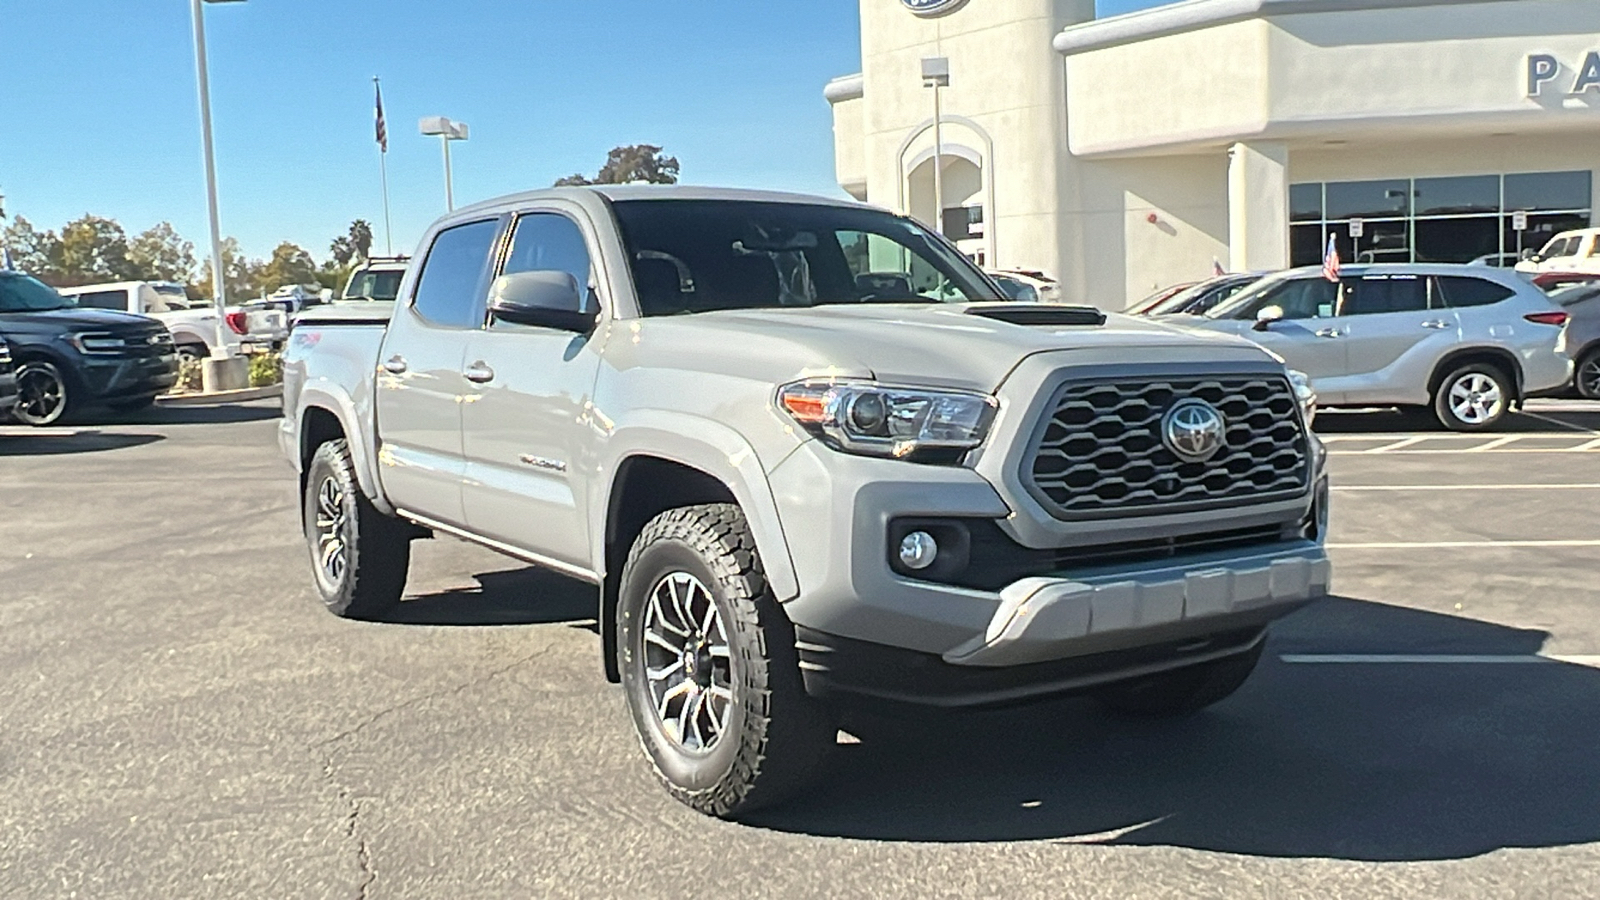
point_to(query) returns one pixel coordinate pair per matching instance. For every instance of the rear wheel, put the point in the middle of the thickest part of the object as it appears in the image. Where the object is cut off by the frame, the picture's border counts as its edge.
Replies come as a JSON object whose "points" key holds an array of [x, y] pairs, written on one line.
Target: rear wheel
{"points": [[709, 667], [1185, 691], [359, 555], [44, 396], [1474, 397], [188, 353], [1588, 374]]}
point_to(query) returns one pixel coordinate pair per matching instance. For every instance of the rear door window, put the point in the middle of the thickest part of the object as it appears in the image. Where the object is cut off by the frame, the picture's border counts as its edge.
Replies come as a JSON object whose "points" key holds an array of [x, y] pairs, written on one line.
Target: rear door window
{"points": [[1459, 291], [1388, 294], [451, 288], [104, 300]]}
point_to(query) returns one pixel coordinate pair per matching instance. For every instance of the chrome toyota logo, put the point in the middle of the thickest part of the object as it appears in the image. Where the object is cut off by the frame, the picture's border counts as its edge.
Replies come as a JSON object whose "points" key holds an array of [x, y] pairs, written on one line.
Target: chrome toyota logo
{"points": [[1193, 430]]}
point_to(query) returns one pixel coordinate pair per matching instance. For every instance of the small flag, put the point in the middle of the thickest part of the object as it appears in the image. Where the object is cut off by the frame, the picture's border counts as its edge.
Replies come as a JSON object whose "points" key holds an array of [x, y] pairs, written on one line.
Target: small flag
{"points": [[1330, 260], [1217, 271], [5, 260], [383, 125]]}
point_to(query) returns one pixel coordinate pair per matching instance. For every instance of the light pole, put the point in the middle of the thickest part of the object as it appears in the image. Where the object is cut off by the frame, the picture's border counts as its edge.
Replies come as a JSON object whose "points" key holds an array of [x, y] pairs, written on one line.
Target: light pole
{"points": [[936, 75], [218, 292], [446, 131]]}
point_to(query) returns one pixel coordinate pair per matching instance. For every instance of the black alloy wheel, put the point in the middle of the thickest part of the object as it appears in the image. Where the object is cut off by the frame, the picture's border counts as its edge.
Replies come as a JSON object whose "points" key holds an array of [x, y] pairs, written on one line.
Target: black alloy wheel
{"points": [[43, 395]]}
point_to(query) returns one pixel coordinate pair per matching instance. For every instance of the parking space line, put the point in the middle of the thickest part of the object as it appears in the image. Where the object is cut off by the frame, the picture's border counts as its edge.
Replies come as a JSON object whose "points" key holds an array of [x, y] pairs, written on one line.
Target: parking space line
{"points": [[1390, 448], [1456, 545], [1497, 442], [1465, 487], [1591, 446], [1549, 420], [1426, 659]]}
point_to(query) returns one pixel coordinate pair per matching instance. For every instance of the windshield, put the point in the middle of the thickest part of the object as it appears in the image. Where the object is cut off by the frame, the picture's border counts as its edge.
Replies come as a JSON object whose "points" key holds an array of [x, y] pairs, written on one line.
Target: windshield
{"points": [[20, 293], [691, 256], [1178, 302], [374, 285], [1017, 290], [1577, 293], [1230, 308]]}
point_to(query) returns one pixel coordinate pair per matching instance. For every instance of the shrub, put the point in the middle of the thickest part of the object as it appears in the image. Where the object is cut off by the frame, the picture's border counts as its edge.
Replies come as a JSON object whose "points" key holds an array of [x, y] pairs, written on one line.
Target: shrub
{"points": [[266, 369], [188, 377]]}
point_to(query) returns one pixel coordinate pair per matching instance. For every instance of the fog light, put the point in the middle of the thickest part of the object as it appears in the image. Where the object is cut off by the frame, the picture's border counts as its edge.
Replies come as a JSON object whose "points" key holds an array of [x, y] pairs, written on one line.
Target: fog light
{"points": [[918, 550]]}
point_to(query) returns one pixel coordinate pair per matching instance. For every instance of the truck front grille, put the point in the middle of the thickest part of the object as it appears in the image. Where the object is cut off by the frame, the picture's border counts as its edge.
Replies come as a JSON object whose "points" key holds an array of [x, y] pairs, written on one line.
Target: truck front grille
{"points": [[1101, 452]]}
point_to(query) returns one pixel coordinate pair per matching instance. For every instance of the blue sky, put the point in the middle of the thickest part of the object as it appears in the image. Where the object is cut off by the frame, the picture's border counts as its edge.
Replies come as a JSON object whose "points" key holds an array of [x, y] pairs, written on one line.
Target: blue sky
{"points": [[101, 115]]}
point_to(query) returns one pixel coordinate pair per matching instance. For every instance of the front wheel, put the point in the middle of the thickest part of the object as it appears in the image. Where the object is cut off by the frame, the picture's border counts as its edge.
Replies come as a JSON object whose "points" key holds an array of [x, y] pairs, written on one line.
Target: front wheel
{"points": [[1588, 375], [43, 395], [1474, 397], [359, 555], [1185, 691], [709, 667]]}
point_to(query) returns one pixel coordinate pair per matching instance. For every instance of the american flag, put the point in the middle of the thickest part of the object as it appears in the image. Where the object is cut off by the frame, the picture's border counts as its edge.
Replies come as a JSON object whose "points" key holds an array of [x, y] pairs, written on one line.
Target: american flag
{"points": [[1216, 268], [1330, 260], [383, 126]]}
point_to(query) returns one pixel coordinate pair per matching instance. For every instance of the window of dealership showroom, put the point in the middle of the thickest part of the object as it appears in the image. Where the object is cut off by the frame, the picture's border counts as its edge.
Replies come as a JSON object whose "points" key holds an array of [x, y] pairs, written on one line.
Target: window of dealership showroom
{"points": [[1454, 219]]}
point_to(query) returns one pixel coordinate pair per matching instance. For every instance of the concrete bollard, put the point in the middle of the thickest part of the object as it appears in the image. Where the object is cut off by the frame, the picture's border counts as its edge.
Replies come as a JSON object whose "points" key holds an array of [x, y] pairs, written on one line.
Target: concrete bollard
{"points": [[228, 373]]}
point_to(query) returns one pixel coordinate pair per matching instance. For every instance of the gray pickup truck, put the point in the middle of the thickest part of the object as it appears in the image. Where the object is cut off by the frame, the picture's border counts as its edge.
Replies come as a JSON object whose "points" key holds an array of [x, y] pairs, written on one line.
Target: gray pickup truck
{"points": [[810, 461]]}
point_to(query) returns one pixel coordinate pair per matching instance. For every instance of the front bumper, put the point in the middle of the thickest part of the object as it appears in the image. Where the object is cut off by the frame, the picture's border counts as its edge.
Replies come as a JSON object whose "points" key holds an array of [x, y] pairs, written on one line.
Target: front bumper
{"points": [[115, 378]]}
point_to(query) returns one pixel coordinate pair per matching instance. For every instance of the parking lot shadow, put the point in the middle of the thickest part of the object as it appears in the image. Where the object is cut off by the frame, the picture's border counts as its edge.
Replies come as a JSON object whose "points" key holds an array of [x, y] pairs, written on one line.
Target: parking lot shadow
{"points": [[530, 596], [1359, 762], [47, 443], [197, 415]]}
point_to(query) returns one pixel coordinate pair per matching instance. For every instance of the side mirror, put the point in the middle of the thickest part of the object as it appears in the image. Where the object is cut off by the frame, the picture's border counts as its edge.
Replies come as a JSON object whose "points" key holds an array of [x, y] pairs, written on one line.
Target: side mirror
{"points": [[1266, 315], [543, 299]]}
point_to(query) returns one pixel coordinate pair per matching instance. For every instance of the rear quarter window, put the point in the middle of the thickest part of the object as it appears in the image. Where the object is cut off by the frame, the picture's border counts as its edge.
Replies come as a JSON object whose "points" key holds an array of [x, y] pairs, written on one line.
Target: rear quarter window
{"points": [[1461, 291], [451, 289]]}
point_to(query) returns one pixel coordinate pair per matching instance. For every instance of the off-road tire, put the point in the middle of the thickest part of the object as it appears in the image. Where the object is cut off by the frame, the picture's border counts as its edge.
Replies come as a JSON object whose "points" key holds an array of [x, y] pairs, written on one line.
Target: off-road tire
{"points": [[1185, 691], [776, 735], [1442, 400], [377, 548]]}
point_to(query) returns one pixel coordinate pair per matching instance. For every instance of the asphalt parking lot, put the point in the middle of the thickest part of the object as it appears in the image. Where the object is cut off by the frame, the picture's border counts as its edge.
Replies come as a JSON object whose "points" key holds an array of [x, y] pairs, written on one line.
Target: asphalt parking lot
{"points": [[181, 718]]}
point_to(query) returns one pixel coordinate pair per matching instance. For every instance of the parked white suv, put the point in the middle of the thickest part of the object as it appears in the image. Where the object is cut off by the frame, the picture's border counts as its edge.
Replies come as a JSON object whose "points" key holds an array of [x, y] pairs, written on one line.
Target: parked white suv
{"points": [[193, 323], [1472, 342]]}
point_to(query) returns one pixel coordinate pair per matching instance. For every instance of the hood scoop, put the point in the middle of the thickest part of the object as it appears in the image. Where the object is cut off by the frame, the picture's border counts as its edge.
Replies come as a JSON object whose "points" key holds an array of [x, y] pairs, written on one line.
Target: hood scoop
{"points": [[1038, 315]]}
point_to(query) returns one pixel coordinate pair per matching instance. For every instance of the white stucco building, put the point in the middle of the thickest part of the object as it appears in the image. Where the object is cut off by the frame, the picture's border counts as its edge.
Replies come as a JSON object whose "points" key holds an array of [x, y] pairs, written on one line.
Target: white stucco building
{"points": [[1127, 153]]}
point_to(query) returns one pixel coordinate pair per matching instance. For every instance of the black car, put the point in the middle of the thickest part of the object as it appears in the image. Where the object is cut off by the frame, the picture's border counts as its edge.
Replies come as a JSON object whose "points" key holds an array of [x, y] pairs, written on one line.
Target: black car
{"points": [[67, 359]]}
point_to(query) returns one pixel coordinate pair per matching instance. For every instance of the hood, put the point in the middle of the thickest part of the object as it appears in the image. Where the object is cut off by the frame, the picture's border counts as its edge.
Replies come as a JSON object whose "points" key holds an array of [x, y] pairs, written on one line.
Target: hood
{"points": [[947, 345], [71, 319]]}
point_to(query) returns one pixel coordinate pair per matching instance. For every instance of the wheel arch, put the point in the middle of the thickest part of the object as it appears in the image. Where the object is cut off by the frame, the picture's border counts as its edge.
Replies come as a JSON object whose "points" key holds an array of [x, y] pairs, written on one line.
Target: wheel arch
{"points": [[324, 417], [661, 468], [1499, 357]]}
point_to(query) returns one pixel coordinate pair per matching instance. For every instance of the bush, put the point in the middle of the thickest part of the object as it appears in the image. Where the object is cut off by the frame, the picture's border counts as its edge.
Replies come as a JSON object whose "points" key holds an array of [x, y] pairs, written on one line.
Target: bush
{"points": [[188, 377], [266, 369]]}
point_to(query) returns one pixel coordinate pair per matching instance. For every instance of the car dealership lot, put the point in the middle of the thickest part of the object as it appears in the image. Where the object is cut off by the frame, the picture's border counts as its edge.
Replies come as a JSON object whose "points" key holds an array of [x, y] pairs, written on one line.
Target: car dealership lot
{"points": [[182, 719]]}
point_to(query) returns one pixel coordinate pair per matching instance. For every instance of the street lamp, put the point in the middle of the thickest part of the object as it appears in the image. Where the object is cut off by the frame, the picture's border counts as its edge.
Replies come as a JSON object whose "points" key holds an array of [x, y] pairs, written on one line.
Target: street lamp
{"points": [[446, 131], [936, 75], [218, 293]]}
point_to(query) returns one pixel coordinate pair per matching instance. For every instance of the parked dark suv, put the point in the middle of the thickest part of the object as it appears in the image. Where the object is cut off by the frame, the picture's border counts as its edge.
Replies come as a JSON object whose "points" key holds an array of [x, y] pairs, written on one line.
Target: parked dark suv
{"points": [[67, 359], [8, 378]]}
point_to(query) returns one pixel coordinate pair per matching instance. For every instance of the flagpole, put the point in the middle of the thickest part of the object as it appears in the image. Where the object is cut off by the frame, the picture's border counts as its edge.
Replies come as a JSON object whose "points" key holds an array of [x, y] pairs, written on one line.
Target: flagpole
{"points": [[383, 170]]}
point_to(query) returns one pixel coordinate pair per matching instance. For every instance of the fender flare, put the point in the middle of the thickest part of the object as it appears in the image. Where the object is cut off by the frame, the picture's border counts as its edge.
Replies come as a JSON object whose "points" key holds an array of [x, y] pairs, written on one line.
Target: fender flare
{"points": [[318, 395], [713, 448]]}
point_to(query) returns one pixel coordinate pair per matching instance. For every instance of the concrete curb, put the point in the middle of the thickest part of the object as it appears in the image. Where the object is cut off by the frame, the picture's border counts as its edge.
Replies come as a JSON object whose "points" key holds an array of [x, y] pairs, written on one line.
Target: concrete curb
{"points": [[221, 397]]}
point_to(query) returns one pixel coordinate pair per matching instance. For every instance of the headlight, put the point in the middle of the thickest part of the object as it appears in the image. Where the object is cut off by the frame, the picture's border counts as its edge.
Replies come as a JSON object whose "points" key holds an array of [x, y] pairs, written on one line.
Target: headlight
{"points": [[1304, 394], [96, 343], [882, 420]]}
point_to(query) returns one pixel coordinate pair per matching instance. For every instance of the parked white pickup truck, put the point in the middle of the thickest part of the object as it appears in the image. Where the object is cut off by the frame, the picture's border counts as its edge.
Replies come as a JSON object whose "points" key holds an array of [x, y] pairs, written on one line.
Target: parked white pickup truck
{"points": [[193, 323], [809, 461]]}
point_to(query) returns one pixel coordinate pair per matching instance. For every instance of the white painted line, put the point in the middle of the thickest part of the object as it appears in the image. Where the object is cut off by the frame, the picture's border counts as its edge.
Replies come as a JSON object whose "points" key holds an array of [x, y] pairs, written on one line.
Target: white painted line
{"points": [[1465, 487], [1456, 545], [1497, 442], [1592, 445], [1390, 448], [1440, 659], [1569, 425]]}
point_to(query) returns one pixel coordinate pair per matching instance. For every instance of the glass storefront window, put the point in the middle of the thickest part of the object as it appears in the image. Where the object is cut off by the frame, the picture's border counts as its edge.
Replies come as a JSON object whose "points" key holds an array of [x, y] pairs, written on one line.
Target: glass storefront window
{"points": [[1458, 196], [1368, 199], [1305, 203], [1455, 219], [1549, 190]]}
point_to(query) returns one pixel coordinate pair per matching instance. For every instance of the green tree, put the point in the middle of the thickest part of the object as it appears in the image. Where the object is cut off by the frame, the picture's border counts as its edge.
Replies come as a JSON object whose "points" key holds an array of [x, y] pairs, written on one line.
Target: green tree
{"points": [[241, 276], [94, 249], [33, 251], [290, 264], [161, 254], [629, 165]]}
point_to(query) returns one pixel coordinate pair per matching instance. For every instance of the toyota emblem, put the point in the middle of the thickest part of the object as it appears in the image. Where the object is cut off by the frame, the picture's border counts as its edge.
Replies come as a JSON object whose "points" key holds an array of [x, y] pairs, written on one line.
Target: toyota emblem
{"points": [[1193, 430]]}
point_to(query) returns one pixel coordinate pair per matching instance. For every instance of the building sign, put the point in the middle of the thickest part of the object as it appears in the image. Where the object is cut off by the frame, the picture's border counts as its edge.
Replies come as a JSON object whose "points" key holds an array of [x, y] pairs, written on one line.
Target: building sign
{"points": [[931, 8], [1545, 71]]}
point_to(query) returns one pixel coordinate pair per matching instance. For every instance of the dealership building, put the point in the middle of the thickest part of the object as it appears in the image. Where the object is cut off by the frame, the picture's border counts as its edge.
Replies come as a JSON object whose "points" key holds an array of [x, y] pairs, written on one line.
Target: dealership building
{"points": [[1127, 153]]}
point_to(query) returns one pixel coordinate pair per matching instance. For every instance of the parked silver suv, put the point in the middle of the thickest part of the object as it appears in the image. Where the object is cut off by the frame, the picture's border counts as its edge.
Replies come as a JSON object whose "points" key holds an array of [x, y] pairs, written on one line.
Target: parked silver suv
{"points": [[1469, 341]]}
